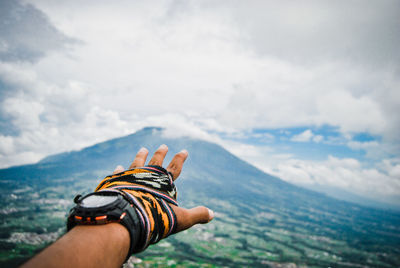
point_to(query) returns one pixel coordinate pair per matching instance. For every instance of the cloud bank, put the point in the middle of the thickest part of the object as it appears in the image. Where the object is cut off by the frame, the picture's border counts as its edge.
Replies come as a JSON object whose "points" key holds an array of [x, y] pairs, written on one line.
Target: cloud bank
{"points": [[75, 73]]}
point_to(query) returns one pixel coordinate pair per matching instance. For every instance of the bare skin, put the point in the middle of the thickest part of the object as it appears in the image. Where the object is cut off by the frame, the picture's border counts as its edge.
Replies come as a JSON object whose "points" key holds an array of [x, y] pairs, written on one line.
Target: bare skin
{"points": [[108, 245]]}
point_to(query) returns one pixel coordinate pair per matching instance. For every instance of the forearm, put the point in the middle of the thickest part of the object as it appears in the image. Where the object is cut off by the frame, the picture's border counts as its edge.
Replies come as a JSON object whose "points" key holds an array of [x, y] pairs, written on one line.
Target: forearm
{"points": [[86, 246]]}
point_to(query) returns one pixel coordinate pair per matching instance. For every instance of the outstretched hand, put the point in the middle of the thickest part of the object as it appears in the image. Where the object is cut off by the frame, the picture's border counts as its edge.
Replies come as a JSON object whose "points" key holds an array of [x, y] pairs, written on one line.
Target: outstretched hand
{"points": [[186, 218], [108, 245]]}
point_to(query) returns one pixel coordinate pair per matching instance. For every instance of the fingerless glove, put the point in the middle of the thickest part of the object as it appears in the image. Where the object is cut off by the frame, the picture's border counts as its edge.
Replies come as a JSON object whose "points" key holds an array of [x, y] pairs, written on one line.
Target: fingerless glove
{"points": [[151, 191]]}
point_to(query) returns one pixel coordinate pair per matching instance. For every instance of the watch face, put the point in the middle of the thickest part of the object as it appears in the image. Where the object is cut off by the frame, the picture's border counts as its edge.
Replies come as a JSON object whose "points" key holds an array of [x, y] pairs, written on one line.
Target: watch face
{"points": [[94, 201]]}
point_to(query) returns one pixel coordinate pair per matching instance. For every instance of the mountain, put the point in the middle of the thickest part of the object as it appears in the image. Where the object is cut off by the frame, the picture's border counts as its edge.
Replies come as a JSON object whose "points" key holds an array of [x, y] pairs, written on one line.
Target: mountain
{"points": [[260, 220]]}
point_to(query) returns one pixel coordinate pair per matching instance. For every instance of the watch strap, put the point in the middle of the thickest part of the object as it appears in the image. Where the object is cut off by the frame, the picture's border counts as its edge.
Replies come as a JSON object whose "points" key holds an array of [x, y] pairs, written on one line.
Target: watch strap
{"points": [[122, 212]]}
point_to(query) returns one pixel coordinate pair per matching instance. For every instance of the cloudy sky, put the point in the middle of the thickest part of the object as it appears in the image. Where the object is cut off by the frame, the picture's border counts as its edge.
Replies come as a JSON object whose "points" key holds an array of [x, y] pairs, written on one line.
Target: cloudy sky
{"points": [[308, 91]]}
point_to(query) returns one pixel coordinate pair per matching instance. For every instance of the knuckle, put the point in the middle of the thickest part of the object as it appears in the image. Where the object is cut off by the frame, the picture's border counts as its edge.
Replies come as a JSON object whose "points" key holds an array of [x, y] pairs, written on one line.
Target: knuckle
{"points": [[173, 167]]}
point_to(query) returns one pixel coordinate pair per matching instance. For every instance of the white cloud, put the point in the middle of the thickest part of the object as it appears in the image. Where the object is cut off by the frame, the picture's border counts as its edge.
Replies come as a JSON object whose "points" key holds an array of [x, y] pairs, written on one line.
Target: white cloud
{"points": [[247, 152], [304, 136], [352, 114], [6, 145], [349, 174], [207, 68], [318, 138], [367, 145], [177, 126], [311, 32], [376, 181], [198, 62]]}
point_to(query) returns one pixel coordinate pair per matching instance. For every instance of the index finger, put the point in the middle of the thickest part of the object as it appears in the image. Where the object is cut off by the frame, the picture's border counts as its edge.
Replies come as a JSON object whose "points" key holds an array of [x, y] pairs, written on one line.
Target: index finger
{"points": [[175, 167]]}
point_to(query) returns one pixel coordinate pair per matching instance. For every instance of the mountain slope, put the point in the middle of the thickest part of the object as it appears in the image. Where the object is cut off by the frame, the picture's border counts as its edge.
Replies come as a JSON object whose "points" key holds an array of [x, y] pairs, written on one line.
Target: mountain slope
{"points": [[260, 219]]}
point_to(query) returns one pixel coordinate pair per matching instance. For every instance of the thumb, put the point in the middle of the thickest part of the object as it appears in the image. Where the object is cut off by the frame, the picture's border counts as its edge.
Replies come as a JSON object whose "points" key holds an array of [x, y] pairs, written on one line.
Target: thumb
{"points": [[186, 218]]}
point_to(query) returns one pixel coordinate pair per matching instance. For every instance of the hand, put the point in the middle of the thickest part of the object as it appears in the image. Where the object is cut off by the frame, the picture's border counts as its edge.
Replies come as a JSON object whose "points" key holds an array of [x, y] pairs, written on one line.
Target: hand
{"points": [[108, 245], [186, 218]]}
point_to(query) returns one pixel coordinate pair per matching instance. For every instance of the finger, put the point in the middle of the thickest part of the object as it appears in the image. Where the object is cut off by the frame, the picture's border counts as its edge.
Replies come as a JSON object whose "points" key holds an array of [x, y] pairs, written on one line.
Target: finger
{"points": [[186, 218], [175, 167], [140, 158], [118, 169], [159, 156]]}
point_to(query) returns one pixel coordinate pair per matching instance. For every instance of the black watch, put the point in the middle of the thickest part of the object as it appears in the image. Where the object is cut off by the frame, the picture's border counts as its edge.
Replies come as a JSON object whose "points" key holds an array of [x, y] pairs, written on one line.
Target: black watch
{"points": [[106, 207]]}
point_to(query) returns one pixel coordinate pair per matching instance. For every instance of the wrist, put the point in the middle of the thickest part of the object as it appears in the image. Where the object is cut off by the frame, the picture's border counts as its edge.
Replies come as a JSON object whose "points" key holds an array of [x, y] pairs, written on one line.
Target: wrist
{"points": [[105, 208], [113, 238]]}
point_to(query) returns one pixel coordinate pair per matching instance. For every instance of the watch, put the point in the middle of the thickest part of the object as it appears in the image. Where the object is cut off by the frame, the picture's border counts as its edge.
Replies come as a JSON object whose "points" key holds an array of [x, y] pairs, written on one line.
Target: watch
{"points": [[106, 207]]}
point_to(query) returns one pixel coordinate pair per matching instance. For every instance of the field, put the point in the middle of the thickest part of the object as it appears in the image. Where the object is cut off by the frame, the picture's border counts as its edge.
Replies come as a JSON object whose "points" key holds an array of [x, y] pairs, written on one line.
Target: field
{"points": [[32, 217]]}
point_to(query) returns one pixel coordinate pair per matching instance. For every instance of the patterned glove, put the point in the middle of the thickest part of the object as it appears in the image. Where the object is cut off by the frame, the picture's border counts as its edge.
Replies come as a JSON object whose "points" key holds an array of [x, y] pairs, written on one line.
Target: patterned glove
{"points": [[151, 190]]}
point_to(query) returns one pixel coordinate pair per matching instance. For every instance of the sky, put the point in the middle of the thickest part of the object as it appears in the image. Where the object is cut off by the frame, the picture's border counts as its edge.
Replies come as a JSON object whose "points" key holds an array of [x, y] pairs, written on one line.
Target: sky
{"points": [[308, 91]]}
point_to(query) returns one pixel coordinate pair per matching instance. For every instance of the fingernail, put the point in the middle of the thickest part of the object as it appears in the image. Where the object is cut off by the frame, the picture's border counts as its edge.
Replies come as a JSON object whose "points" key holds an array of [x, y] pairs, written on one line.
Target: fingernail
{"points": [[143, 150], [185, 152], [210, 214], [118, 169], [163, 147]]}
